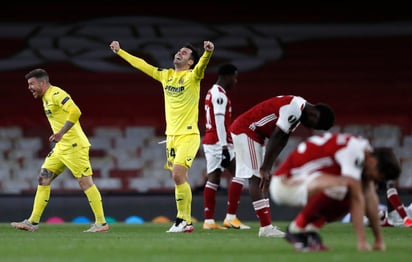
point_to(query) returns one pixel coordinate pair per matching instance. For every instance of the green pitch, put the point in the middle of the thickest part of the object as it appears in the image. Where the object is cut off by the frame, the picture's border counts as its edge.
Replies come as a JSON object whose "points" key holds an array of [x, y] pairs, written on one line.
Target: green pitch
{"points": [[149, 242]]}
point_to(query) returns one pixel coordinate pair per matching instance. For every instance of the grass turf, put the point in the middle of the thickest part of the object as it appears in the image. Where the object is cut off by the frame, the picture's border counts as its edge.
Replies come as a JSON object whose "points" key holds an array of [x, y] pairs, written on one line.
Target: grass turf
{"points": [[150, 242]]}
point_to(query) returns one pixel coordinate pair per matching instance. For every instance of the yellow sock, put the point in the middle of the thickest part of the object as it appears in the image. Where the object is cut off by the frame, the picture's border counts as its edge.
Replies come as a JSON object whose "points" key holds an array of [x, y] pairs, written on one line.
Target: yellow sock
{"points": [[183, 196], [95, 201], [189, 206], [40, 202]]}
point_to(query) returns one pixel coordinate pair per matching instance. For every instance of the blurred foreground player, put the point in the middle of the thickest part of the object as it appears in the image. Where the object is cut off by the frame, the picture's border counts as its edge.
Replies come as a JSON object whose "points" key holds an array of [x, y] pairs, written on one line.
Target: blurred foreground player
{"points": [[330, 175]]}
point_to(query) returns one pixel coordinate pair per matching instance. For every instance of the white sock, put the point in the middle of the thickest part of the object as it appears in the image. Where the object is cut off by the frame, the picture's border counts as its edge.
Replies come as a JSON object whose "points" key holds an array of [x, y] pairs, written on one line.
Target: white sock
{"points": [[209, 221], [230, 216]]}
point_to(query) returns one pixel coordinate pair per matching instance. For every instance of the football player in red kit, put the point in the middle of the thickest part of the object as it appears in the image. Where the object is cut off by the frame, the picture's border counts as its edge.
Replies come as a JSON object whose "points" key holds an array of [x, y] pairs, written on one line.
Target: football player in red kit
{"points": [[330, 175], [260, 134], [218, 149]]}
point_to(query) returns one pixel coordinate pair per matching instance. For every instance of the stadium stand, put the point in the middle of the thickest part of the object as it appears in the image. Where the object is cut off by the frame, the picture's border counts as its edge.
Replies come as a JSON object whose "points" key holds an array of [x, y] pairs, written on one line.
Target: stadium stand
{"points": [[365, 77]]}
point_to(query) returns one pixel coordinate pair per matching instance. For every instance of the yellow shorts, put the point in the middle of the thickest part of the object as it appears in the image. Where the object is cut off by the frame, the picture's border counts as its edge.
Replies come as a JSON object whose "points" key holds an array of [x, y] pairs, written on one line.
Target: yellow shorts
{"points": [[77, 161], [181, 150]]}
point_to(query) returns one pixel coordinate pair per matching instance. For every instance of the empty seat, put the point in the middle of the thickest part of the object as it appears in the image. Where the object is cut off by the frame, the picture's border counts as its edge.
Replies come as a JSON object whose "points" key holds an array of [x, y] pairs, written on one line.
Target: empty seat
{"points": [[358, 129], [5, 144], [143, 132], [100, 142], [385, 141], [5, 172], [124, 175], [154, 152], [28, 174], [108, 132], [405, 179], [68, 182], [104, 164], [17, 154], [161, 177], [129, 143], [125, 159], [144, 184], [407, 140], [197, 172], [387, 131], [15, 185], [11, 132], [108, 183], [405, 152]]}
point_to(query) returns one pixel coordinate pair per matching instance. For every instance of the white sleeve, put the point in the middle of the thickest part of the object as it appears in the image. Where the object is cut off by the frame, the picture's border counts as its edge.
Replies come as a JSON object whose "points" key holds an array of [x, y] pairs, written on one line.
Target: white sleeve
{"points": [[289, 115], [220, 129], [351, 158], [219, 101]]}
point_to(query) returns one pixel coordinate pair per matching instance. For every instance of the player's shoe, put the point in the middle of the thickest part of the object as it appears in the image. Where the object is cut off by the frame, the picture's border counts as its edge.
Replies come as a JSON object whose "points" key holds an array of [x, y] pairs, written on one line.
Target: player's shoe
{"points": [[181, 227], [315, 242], [25, 225], [385, 223], [394, 218], [208, 226], [299, 241], [234, 223], [407, 222], [305, 241], [270, 231], [383, 219], [98, 228]]}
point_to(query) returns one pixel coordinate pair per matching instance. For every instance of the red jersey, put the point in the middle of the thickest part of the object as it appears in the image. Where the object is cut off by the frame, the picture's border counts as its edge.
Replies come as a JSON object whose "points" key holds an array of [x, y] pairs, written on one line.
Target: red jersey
{"points": [[259, 121], [217, 102], [340, 154]]}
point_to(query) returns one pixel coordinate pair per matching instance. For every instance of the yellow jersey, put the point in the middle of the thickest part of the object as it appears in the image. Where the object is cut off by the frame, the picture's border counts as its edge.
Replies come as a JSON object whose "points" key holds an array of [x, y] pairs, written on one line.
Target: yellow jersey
{"points": [[57, 105], [181, 91]]}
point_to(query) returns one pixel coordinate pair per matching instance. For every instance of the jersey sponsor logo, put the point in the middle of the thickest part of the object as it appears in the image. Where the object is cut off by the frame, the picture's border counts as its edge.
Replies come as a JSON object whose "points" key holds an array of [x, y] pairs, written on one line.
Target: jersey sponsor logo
{"points": [[219, 101], [174, 91]]}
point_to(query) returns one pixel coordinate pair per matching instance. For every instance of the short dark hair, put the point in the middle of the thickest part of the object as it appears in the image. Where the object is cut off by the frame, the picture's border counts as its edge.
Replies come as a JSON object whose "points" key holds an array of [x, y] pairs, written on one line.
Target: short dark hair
{"points": [[37, 73], [195, 54], [388, 163], [227, 69], [326, 117]]}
